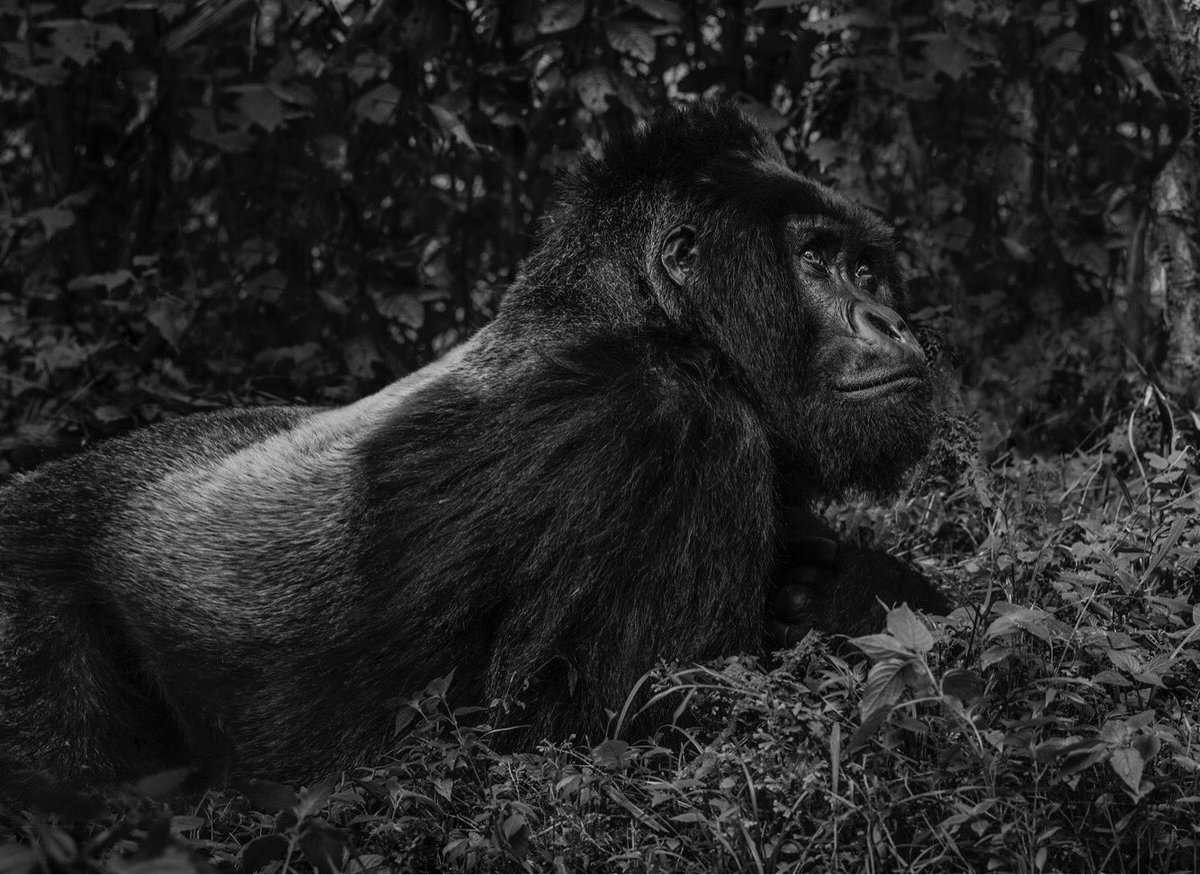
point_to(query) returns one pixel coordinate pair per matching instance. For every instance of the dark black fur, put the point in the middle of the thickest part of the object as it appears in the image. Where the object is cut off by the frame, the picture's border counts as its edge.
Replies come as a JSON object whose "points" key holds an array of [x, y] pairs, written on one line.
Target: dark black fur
{"points": [[595, 481]]}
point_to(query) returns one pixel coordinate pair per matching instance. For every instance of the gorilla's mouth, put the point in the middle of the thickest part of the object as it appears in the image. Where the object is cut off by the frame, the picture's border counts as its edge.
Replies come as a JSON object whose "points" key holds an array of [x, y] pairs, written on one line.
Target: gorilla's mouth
{"points": [[874, 383]]}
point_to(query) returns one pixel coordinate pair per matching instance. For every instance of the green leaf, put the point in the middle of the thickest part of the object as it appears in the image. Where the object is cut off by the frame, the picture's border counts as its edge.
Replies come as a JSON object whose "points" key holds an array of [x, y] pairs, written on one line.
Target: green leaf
{"points": [[516, 833], [867, 729], [109, 413], [631, 39], [451, 125], [613, 754], [1018, 250], [963, 684], [837, 23], [1064, 52], [1147, 745], [1014, 617], [404, 717], [1138, 74], [109, 281], [561, 15], [332, 150], [324, 847], [53, 219], [444, 787], [333, 301], [663, 10], [955, 234], [315, 797], [594, 87], [438, 687], [187, 823], [379, 104], [366, 66], [170, 317], [915, 90], [1089, 256], [1116, 732], [702, 77], [82, 40], [263, 851], [1128, 764], [46, 75], [1181, 522], [880, 646], [909, 630], [994, 655], [1087, 754], [885, 685], [100, 7], [270, 285], [261, 106], [1129, 661], [298, 95], [946, 54], [205, 130]]}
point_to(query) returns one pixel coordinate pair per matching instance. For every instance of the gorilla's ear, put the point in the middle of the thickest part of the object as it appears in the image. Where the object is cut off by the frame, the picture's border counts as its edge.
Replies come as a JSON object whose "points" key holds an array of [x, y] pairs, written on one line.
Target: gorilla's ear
{"points": [[678, 253]]}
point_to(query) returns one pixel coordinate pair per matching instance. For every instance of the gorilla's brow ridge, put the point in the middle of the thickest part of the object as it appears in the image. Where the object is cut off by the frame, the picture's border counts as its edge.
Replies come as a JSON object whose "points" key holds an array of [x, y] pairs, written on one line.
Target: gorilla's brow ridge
{"points": [[878, 234]]}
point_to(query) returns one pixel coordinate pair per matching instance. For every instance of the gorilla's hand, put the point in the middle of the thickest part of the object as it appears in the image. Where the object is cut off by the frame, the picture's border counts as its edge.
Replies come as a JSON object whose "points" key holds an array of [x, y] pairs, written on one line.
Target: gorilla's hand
{"points": [[793, 605]]}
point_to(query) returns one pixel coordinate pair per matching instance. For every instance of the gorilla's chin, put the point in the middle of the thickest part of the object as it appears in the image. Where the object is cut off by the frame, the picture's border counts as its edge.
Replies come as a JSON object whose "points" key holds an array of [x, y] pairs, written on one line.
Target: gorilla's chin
{"points": [[866, 447]]}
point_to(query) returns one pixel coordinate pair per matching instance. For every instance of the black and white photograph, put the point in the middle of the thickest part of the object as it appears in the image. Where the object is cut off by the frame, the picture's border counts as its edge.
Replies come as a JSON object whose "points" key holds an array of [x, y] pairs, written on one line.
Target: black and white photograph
{"points": [[602, 436]]}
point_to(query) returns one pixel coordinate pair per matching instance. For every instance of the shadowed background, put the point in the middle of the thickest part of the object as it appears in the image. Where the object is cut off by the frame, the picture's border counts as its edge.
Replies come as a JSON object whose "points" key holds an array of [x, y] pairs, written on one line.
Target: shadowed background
{"points": [[237, 202]]}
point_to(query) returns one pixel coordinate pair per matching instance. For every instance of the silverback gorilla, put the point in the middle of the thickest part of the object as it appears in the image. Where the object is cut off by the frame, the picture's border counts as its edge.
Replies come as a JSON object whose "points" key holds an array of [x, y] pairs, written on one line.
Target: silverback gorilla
{"points": [[702, 342]]}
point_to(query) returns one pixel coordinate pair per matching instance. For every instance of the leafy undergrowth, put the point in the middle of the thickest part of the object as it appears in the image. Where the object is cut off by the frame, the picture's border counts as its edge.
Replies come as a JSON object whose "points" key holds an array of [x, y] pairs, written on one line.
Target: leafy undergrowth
{"points": [[1049, 723]]}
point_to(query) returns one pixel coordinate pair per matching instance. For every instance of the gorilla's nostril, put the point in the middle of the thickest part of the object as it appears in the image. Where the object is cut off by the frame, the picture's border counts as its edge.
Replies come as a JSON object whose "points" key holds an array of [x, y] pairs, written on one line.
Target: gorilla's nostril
{"points": [[886, 327]]}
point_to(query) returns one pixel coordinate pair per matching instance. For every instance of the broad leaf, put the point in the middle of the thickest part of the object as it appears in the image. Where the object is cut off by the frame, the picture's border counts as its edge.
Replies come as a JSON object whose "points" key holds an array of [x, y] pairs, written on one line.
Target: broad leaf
{"points": [[561, 15], [867, 729], [261, 106], [664, 10], [885, 685], [963, 684], [1063, 53], [594, 88], [880, 646], [630, 38], [909, 630], [379, 104], [1128, 764]]}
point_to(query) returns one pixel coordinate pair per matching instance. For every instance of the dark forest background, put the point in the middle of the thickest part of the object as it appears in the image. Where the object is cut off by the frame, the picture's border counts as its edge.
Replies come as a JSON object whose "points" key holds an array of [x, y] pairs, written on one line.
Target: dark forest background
{"points": [[228, 202], [240, 202]]}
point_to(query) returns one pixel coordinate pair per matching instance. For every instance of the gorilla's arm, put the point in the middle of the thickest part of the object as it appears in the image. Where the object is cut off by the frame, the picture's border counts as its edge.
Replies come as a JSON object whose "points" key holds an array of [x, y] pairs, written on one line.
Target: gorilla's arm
{"points": [[835, 588]]}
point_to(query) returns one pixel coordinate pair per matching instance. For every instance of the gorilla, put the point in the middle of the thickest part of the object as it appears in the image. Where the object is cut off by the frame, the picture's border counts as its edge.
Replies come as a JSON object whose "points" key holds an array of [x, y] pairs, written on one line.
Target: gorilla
{"points": [[619, 468]]}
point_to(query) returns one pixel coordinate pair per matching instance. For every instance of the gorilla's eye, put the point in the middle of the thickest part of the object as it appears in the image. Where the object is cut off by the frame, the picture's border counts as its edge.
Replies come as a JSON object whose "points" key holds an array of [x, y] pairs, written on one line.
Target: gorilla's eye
{"points": [[810, 255], [863, 270]]}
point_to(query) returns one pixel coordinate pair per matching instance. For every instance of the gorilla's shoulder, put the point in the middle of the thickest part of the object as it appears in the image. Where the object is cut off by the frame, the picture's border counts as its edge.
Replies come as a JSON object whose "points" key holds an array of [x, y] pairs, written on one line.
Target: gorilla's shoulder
{"points": [[603, 402]]}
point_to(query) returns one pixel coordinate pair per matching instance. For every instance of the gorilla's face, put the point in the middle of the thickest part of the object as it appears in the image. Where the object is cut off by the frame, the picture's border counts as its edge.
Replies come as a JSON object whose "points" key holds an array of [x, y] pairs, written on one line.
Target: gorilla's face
{"points": [[809, 311]]}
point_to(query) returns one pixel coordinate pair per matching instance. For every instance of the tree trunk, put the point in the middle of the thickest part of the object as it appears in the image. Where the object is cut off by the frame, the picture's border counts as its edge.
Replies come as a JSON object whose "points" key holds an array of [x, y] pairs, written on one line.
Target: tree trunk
{"points": [[1173, 236]]}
